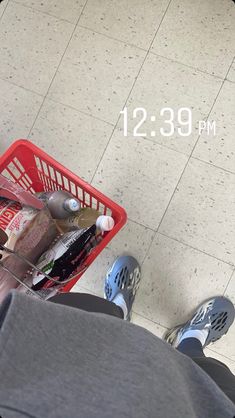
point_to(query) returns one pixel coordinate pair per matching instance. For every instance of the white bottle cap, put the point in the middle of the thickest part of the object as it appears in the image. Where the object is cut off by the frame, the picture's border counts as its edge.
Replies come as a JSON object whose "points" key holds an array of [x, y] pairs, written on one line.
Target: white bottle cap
{"points": [[72, 205], [105, 223]]}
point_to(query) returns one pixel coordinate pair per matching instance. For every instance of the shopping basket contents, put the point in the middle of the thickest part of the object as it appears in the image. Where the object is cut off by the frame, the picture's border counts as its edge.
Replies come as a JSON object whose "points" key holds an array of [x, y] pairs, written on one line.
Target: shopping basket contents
{"points": [[28, 232], [61, 204], [85, 218], [56, 263], [64, 257], [52, 223]]}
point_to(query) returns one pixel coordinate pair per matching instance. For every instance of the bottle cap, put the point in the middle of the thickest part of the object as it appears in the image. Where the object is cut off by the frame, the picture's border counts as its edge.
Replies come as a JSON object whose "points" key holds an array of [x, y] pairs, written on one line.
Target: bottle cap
{"points": [[105, 223], [72, 205]]}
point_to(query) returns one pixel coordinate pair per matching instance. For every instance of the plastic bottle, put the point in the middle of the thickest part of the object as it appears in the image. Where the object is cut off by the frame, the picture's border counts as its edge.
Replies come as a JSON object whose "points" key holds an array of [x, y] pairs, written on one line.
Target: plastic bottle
{"points": [[61, 204], [85, 218], [105, 223]]}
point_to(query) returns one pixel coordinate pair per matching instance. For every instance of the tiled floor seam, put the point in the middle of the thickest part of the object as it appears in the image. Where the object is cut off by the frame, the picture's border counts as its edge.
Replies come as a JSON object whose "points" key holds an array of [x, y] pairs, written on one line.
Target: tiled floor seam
{"points": [[231, 278], [40, 11], [111, 37], [222, 355], [21, 87], [188, 66], [74, 29], [152, 141], [81, 111], [4, 11], [150, 320], [212, 165]]}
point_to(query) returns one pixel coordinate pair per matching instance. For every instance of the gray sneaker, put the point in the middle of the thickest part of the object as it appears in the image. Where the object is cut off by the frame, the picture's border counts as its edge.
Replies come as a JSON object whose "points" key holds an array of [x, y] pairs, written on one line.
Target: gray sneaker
{"points": [[123, 277], [215, 315]]}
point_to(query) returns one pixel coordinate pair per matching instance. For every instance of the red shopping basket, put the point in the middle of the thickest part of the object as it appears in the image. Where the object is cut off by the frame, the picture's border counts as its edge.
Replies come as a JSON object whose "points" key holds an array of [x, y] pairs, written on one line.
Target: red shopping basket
{"points": [[35, 171]]}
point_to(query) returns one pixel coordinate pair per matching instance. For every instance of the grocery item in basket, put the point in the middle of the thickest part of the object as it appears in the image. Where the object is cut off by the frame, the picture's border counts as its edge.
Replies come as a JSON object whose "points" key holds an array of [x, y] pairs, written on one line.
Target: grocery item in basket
{"points": [[29, 233], [44, 294], [85, 218], [61, 204], [105, 223], [14, 219], [13, 191], [63, 258]]}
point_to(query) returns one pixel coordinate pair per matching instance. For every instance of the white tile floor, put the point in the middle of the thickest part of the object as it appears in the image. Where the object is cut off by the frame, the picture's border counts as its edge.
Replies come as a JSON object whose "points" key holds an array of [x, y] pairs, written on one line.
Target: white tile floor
{"points": [[67, 68]]}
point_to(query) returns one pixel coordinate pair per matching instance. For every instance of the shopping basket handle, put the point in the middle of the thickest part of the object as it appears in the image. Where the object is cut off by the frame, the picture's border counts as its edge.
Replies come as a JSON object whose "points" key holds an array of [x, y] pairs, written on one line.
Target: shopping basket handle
{"points": [[13, 191]]}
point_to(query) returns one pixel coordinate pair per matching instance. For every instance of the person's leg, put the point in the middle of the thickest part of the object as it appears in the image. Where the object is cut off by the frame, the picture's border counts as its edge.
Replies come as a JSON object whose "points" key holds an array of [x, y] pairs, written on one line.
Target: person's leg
{"points": [[88, 303], [210, 322], [191, 347], [218, 371]]}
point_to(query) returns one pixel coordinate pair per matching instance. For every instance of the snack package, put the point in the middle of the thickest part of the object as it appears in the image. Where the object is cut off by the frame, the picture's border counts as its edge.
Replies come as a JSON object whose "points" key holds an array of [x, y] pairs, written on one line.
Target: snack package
{"points": [[30, 232], [63, 258], [14, 192]]}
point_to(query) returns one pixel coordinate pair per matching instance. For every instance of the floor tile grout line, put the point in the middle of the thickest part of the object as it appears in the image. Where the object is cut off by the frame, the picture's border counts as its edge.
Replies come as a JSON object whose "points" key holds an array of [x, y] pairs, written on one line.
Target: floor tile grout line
{"points": [[197, 249], [233, 62], [113, 38], [131, 89], [229, 81], [188, 66], [222, 355], [145, 138], [61, 59], [230, 280], [21, 87], [213, 165], [40, 11], [4, 10], [80, 111], [86, 288], [150, 320]]}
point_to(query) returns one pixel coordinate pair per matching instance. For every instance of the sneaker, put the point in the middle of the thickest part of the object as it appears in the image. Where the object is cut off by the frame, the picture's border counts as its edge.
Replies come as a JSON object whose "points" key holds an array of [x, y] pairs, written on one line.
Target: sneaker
{"points": [[123, 277], [215, 316]]}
